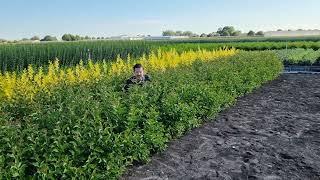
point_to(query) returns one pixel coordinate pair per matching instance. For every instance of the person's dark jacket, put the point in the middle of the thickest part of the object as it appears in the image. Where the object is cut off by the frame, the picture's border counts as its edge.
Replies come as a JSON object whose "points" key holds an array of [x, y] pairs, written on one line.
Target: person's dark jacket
{"points": [[133, 80]]}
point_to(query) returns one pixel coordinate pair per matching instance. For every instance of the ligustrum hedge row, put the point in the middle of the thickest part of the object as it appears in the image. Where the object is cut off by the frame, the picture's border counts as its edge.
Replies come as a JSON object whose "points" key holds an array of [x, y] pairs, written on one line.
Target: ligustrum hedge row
{"points": [[97, 130]]}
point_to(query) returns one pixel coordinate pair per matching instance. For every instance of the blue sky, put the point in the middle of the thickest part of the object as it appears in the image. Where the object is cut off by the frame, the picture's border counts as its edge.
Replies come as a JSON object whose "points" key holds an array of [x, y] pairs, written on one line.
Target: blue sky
{"points": [[26, 18]]}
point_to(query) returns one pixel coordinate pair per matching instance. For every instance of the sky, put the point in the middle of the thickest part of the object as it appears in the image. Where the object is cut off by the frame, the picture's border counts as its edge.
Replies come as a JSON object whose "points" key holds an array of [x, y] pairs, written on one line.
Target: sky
{"points": [[26, 18]]}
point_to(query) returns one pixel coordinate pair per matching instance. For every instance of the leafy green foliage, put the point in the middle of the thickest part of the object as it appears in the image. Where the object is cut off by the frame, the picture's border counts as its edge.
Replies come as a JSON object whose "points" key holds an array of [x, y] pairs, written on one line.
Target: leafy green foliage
{"points": [[96, 130], [299, 56], [228, 31]]}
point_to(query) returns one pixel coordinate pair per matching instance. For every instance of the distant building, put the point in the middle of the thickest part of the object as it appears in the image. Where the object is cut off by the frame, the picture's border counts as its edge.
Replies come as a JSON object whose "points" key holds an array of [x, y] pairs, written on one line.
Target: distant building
{"points": [[292, 33], [136, 38], [126, 37], [165, 37]]}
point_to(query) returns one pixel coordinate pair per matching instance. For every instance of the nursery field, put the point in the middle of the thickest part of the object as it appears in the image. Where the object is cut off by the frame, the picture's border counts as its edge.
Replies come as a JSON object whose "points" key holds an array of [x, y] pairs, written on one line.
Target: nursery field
{"points": [[128, 90], [71, 118], [77, 122]]}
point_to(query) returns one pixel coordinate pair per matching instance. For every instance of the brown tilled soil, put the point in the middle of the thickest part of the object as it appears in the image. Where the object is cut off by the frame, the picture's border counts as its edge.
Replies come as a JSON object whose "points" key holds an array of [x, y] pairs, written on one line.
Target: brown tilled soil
{"points": [[272, 133]]}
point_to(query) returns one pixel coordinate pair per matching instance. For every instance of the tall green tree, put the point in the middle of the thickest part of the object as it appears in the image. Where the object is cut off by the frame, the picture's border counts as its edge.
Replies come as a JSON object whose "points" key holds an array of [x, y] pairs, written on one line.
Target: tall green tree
{"points": [[228, 31], [35, 38], [179, 33], [67, 37], [225, 33], [188, 33], [49, 38], [203, 35], [236, 33], [260, 33], [168, 33], [251, 33]]}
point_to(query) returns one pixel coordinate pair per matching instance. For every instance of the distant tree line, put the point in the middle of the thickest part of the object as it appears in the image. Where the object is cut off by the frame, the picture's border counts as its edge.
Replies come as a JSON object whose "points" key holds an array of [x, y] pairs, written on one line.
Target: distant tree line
{"points": [[70, 37], [252, 33], [179, 33], [65, 37], [225, 31], [37, 38], [34, 38]]}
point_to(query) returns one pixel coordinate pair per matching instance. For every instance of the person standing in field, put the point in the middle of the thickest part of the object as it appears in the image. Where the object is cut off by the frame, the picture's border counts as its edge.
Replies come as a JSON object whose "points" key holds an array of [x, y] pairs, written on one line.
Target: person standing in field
{"points": [[139, 77]]}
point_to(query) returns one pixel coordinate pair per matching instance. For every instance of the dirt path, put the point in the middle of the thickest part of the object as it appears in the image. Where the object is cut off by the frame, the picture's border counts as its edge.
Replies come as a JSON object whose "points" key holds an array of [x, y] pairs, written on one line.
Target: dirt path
{"points": [[273, 133]]}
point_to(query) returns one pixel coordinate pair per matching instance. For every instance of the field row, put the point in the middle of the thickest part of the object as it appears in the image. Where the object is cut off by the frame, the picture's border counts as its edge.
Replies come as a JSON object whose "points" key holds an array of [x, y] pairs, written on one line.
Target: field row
{"points": [[31, 81], [19, 56]]}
